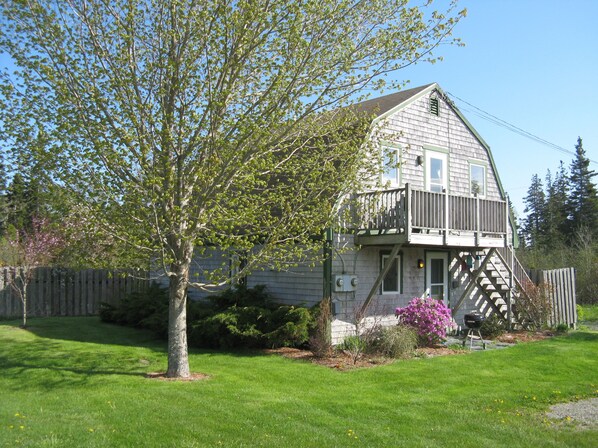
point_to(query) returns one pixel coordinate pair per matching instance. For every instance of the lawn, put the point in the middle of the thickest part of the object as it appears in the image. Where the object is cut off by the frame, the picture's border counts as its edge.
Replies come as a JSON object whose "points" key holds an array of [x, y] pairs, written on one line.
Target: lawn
{"points": [[76, 382]]}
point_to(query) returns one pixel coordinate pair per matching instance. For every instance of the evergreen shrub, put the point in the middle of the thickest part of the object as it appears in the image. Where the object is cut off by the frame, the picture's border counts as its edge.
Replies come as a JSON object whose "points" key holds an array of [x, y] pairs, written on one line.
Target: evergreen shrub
{"points": [[236, 318]]}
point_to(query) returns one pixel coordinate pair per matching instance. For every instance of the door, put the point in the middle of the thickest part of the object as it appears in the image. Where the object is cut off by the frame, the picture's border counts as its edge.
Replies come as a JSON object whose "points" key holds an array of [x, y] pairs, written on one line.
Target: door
{"points": [[436, 171], [437, 275]]}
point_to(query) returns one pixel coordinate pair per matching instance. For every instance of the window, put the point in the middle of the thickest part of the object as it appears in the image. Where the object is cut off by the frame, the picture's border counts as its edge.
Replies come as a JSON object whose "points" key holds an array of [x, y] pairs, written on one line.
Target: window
{"points": [[390, 166], [392, 280], [477, 179], [436, 171]]}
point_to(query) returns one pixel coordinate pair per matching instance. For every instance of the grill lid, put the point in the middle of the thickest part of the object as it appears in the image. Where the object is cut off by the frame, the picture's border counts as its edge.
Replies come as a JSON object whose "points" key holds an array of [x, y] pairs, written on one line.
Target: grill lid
{"points": [[473, 320]]}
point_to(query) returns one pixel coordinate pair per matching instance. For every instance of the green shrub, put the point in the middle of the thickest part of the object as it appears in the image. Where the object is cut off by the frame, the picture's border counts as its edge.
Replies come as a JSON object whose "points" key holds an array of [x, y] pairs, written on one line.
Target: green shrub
{"points": [[236, 318], [288, 326], [242, 296], [395, 342], [493, 327], [248, 318], [232, 328], [355, 346], [146, 309]]}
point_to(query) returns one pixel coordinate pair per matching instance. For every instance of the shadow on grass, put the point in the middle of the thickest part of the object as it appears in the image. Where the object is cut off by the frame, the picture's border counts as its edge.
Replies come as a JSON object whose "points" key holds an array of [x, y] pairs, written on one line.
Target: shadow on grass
{"points": [[90, 330], [50, 365], [93, 330], [99, 349]]}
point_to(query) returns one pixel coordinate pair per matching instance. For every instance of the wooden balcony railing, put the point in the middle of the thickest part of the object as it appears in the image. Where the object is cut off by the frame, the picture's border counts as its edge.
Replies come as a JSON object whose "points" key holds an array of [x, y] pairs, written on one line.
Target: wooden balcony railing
{"points": [[440, 216]]}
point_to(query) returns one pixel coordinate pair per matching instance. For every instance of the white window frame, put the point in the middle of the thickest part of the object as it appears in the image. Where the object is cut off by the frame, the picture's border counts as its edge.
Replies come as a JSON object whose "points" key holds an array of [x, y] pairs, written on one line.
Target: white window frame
{"points": [[440, 155], [472, 164], [383, 260], [386, 150]]}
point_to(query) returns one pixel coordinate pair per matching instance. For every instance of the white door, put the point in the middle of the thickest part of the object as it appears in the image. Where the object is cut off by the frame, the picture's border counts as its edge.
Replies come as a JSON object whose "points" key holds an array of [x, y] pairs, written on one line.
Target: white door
{"points": [[437, 275], [436, 171]]}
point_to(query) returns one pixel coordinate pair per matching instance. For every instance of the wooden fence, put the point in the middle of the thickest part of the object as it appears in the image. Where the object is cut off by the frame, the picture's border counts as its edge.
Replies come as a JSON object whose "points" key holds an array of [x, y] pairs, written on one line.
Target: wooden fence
{"points": [[562, 294], [67, 292]]}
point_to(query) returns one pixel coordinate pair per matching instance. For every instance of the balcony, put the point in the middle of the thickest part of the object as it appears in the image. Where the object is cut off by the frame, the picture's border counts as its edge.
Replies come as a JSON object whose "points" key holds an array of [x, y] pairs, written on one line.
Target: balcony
{"points": [[408, 216]]}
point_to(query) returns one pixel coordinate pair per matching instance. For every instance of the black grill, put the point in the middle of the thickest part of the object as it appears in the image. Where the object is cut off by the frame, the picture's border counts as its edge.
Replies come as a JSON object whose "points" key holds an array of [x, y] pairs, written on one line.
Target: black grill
{"points": [[473, 320]]}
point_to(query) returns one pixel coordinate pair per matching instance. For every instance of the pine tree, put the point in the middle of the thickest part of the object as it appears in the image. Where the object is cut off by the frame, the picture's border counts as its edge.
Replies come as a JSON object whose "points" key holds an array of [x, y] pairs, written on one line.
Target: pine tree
{"points": [[554, 233], [582, 205], [535, 204]]}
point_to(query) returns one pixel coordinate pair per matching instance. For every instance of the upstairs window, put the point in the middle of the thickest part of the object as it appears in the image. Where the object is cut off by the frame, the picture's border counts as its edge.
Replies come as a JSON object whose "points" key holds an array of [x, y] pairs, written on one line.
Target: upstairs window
{"points": [[390, 166], [436, 166], [477, 179]]}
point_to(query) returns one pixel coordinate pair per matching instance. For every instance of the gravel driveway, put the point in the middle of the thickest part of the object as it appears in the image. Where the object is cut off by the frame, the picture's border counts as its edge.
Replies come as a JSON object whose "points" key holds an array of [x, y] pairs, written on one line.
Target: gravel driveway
{"points": [[582, 411]]}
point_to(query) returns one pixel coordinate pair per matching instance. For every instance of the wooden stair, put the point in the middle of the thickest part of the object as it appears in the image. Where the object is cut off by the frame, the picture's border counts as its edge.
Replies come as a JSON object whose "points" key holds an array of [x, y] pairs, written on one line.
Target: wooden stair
{"points": [[500, 279]]}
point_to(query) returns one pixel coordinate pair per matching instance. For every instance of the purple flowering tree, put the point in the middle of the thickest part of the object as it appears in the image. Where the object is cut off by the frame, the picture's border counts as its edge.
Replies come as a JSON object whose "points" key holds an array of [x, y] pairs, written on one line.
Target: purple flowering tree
{"points": [[429, 316], [35, 248]]}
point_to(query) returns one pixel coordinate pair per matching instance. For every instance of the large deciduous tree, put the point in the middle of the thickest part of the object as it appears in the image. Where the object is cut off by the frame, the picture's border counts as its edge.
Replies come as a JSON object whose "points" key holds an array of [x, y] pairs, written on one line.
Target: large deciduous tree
{"points": [[178, 124]]}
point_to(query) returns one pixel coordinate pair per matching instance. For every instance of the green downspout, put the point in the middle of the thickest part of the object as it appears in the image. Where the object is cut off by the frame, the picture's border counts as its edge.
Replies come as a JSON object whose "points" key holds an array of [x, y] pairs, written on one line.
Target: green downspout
{"points": [[327, 265]]}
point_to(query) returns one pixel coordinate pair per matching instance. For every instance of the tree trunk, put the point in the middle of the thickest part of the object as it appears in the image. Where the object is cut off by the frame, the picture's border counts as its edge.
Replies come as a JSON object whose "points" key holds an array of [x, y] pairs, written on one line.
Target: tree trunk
{"points": [[24, 305], [178, 356]]}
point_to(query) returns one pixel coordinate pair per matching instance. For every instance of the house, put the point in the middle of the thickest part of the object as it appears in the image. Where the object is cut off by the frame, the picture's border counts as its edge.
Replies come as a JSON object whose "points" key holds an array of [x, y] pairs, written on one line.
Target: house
{"points": [[441, 226]]}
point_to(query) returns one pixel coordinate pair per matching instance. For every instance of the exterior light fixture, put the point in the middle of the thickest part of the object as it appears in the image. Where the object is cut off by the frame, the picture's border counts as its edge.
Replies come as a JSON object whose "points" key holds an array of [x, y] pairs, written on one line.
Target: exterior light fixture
{"points": [[419, 160], [420, 263]]}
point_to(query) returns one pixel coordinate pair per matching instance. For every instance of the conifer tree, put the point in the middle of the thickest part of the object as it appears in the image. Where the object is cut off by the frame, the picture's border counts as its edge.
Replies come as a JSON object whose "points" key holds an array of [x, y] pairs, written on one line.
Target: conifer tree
{"points": [[555, 213], [535, 204], [582, 204]]}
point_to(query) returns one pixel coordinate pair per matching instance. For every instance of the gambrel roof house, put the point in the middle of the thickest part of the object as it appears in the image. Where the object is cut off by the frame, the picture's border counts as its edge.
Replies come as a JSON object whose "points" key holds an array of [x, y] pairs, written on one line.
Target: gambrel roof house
{"points": [[440, 227]]}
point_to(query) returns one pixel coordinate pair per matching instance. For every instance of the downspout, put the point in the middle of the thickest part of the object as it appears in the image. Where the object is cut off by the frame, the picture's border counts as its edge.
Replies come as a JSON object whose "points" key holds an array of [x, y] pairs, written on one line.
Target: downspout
{"points": [[327, 264]]}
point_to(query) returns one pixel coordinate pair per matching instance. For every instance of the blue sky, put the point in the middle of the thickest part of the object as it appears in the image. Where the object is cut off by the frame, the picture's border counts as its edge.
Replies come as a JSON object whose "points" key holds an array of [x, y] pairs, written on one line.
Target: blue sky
{"points": [[532, 63]]}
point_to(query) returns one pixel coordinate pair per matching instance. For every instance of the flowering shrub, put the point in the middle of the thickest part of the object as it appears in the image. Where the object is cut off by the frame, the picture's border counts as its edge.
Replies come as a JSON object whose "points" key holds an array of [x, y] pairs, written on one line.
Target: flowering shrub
{"points": [[429, 316]]}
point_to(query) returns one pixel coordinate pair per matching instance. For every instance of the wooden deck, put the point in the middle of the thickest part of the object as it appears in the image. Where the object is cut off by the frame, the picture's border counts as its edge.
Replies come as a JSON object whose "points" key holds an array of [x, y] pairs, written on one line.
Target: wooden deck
{"points": [[414, 217]]}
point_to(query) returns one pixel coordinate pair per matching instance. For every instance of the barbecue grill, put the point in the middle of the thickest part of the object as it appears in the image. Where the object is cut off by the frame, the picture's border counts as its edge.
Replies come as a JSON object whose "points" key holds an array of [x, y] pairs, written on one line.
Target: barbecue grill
{"points": [[473, 322]]}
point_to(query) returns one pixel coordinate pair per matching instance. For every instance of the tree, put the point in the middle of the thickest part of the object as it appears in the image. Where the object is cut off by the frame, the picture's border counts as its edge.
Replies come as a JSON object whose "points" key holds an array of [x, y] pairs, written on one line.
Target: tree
{"points": [[31, 250], [583, 200], [555, 212], [187, 124], [535, 202]]}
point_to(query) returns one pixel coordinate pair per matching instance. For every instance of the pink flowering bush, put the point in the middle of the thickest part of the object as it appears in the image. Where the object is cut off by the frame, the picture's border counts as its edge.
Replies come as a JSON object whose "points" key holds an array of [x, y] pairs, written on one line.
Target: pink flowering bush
{"points": [[430, 317]]}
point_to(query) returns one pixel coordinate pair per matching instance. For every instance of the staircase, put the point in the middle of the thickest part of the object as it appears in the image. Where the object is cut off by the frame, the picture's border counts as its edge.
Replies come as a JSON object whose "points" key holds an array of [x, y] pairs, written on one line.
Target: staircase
{"points": [[500, 278]]}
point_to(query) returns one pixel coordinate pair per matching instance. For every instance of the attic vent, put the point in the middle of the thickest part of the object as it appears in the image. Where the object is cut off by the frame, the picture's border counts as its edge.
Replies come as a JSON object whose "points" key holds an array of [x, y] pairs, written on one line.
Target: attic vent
{"points": [[434, 106]]}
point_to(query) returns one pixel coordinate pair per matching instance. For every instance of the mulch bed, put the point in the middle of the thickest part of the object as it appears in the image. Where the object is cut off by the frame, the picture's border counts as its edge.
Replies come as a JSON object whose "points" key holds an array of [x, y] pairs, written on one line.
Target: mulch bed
{"points": [[515, 337], [344, 361]]}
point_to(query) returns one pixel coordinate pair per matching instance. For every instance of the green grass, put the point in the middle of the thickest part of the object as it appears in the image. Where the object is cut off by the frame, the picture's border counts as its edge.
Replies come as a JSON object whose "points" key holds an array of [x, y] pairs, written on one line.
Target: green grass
{"points": [[76, 382]]}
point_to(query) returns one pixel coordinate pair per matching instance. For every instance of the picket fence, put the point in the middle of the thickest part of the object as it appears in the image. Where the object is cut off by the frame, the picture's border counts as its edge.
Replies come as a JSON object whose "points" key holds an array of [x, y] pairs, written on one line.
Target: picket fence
{"points": [[562, 294], [68, 292]]}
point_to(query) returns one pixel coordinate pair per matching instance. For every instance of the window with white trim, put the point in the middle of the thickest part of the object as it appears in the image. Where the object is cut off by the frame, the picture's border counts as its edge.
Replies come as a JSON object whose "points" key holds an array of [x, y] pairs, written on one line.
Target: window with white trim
{"points": [[390, 166], [436, 171], [392, 280], [477, 179]]}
